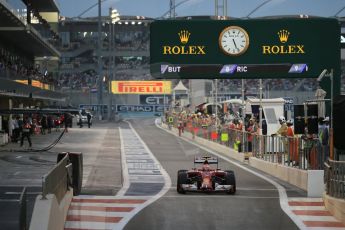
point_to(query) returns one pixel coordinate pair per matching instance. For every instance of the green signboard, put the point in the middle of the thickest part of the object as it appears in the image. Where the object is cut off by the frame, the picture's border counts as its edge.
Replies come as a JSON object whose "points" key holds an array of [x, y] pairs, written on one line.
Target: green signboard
{"points": [[252, 48]]}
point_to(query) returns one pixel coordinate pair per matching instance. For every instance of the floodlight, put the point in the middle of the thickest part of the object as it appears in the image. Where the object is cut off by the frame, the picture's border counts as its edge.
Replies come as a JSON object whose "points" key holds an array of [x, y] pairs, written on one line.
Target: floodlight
{"points": [[323, 73]]}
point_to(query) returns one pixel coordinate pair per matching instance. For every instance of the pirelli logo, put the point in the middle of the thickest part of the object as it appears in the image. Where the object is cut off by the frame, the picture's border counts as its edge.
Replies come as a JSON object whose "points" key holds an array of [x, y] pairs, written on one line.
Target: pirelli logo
{"points": [[141, 87]]}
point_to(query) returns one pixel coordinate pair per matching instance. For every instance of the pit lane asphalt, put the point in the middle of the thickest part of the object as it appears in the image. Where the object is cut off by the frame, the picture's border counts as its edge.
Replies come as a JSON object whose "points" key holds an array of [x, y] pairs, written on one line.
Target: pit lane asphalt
{"points": [[100, 146], [255, 205]]}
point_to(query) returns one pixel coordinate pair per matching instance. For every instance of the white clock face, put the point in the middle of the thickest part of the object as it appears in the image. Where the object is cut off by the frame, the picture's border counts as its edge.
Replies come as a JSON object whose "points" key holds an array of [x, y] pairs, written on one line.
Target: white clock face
{"points": [[234, 40]]}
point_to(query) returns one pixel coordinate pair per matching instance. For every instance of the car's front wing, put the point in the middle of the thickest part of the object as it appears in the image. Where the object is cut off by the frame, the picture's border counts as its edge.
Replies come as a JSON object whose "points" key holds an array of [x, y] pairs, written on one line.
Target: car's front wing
{"points": [[218, 188]]}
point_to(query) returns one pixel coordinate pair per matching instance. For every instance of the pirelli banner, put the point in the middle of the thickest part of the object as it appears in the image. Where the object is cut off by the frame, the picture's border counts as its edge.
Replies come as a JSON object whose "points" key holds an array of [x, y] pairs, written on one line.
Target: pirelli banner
{"points": [[141, 87], [34, 83]]}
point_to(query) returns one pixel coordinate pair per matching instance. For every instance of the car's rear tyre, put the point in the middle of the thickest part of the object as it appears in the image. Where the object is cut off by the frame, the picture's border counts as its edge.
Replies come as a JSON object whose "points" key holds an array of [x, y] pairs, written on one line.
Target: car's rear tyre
{"points": [[181, 179], [230, 180]]}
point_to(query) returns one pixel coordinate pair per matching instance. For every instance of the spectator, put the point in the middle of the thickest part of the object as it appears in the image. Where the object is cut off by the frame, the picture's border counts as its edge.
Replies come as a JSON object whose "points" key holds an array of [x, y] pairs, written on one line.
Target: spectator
{"points": [[251, 130], [50, 123], [44, 124], [16, 129], [325, 139], [89, 117], [26, 132]]}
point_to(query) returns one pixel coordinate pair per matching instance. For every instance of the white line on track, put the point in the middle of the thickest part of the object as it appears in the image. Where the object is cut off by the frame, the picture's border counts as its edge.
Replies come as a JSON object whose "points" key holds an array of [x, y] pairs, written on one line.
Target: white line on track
{"points": [[318, 218], [18, 193], [90, 225], [125, 176], [103, 204], [252, 189], [283, 199], [309, 208], [150, 200], [96, 213], [305, 199], [220, 196]]}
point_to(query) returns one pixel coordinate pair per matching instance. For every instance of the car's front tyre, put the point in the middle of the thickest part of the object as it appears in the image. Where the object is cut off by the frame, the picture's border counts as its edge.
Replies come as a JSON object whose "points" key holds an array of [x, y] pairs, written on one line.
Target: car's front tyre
{"points": [[230, 180], [182, 178]]}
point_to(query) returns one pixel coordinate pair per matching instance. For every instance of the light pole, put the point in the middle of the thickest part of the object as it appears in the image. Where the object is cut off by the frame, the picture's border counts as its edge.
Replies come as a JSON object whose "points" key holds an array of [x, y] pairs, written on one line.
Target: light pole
{"points": [[339, 11], [172, 7], [89, 8], [114, 18], [243, 116], [260, 108], [258, 7], [100, 67], [260, 118], [329, 74]]}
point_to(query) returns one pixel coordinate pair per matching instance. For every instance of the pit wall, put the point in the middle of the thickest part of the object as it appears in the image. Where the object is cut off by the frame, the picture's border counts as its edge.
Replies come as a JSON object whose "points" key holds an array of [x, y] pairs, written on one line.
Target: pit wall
{"points": [[49, 214], [335, 206]]}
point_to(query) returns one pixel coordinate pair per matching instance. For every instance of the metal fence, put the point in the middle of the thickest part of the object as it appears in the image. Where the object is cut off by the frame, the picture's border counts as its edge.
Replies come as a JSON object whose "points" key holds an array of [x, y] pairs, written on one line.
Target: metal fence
{"points": [[335, 178], [58, 179], [299, 151]]}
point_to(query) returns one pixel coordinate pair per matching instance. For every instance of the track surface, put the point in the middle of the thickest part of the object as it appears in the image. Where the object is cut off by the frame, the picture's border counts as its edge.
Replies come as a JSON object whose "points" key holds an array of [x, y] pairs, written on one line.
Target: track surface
{"points": [[255, 205]]}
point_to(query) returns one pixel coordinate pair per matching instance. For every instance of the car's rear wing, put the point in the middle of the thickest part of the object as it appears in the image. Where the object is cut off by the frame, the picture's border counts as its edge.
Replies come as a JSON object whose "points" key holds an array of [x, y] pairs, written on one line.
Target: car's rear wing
{"points": [[210, 160]]}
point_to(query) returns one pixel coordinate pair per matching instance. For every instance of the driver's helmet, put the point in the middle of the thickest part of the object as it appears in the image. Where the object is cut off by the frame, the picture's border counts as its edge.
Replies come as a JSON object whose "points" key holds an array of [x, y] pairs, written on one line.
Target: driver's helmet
{"points": [[205, 167]]}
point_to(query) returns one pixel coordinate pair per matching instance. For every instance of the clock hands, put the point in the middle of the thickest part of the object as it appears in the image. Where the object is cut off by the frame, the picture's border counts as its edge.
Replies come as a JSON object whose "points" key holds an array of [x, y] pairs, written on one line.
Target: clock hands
{"points": [[234, 43], [233, 40]]}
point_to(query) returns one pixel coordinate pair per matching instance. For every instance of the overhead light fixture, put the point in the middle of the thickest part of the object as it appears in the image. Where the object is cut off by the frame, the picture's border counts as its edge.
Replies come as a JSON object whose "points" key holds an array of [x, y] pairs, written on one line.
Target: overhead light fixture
{"points": [[323, 74], [133, 23], [139, 23], [126, 23], [114, 20]]}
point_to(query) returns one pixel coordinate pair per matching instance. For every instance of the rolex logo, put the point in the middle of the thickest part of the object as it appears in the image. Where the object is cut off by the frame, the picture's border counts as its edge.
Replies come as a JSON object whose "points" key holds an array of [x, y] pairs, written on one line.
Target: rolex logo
{"points": [[183, 49], [283, 35], [281, 49], [184, 36]]}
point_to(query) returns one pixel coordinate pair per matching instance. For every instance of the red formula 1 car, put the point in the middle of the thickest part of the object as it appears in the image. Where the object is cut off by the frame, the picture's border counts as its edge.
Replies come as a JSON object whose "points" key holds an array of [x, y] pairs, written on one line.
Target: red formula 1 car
{"points": [[206, 179]]}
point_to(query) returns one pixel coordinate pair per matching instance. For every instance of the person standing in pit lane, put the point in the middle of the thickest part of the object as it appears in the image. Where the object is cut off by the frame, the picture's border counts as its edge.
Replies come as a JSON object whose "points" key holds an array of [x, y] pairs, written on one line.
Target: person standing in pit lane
{"points": [[26, 132], [50, 123], [89, 116]]}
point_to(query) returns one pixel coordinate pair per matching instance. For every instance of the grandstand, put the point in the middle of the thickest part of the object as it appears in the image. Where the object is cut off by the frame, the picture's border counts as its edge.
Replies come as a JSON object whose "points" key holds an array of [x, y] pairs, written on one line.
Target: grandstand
{"points": [[17, 58], [25, 35], [78, 44], [78, 69]]}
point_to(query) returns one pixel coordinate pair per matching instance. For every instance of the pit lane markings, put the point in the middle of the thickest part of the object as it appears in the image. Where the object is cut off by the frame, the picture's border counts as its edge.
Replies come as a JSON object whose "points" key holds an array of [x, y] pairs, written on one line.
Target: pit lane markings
{"points": [[114, 212], [313, 213]]}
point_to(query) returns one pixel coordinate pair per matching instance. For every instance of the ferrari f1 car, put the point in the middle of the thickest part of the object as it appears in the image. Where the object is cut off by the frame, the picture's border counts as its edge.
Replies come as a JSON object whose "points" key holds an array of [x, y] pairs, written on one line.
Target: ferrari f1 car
{"points": [[205, 178]]}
